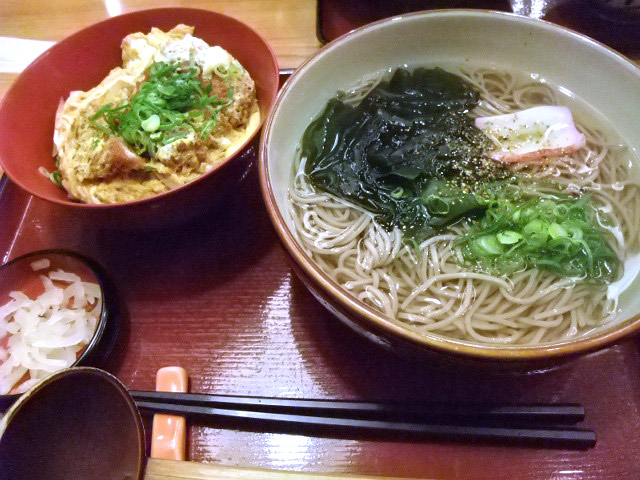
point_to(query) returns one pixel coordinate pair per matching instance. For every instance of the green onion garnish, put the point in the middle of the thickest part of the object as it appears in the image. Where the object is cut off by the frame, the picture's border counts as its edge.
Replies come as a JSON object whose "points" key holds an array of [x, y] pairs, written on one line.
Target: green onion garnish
{"points": [[558, 235], [167, 107], [56, 177]]}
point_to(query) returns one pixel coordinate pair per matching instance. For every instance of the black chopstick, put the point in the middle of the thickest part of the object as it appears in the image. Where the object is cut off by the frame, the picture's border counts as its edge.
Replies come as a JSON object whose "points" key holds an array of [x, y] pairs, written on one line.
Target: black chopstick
{"points": [[547, 414], [545, 436]]}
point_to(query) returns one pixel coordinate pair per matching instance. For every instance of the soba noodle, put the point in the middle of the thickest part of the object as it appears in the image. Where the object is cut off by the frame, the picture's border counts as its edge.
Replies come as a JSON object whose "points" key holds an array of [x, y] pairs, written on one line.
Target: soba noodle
{"points": [[428, 291]]}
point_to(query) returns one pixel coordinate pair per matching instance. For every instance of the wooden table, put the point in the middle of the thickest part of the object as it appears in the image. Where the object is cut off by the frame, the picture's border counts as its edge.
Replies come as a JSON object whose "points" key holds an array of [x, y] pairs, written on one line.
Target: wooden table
{"points": [[218, 297]]}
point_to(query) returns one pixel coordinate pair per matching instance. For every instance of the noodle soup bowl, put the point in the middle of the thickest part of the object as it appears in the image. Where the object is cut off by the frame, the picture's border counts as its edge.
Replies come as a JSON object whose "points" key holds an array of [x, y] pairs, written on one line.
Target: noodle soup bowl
{"points": [[80, 62], [580, 68]]}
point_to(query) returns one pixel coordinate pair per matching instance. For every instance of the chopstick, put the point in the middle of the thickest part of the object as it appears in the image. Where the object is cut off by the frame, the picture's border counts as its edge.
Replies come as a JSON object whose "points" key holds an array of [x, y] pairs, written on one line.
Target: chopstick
{"points": [[558, 414], [527, 424]]}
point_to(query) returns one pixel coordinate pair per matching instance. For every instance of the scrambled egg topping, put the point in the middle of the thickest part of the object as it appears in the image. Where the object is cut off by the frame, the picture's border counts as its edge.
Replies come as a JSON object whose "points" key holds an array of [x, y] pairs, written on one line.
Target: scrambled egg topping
{"points": [[97, 165]]}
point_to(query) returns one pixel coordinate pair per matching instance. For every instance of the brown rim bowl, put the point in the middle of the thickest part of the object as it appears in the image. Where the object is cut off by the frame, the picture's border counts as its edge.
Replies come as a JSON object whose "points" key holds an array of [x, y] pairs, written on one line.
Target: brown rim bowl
{"points": [[575, 62], [81, 61]]}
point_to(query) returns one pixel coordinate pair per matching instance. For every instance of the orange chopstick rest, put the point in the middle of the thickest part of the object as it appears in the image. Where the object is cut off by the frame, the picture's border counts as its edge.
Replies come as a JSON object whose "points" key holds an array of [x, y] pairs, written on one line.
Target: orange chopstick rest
{"points": [[169, 432]]}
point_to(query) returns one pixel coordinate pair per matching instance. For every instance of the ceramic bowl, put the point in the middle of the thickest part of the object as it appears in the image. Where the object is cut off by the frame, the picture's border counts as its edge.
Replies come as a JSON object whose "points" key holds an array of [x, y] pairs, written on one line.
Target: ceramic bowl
{"points": [[587, 69], [19, 275], [81, 61], [79, 423]]}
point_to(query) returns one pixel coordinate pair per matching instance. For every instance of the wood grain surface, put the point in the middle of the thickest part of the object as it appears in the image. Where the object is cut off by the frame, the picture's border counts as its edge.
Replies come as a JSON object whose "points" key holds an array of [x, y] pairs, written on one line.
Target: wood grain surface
{"points": [[173, 470], [218, 296]]}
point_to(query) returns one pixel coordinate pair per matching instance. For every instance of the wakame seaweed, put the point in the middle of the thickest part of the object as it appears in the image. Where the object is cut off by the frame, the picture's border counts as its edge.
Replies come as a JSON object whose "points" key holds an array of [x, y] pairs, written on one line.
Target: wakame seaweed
{"points": [[408, 152]]}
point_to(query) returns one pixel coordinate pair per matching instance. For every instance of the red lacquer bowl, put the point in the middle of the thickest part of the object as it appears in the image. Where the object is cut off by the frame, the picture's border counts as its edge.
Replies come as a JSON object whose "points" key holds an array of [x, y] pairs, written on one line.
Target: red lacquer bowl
{"points": [[81, 61]]}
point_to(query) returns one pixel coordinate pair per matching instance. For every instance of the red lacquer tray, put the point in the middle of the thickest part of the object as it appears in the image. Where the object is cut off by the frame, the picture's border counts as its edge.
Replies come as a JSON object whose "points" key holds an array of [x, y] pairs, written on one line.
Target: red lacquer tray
{"points": [[218, 297]]}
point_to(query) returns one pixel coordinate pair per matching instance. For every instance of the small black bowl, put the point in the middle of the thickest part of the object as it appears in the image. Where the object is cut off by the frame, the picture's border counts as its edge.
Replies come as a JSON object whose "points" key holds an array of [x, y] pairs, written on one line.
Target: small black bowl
{"points": [[18, 274]]}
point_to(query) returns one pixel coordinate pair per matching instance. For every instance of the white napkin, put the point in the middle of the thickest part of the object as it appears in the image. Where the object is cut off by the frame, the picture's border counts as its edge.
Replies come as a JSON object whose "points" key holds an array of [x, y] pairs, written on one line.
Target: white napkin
{"points": [[17, 53]]}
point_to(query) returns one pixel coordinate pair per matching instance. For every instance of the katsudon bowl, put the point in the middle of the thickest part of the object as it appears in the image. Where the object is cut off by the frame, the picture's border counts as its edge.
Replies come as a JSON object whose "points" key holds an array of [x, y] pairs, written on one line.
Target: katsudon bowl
{"points": [[80, 62], [329, 252]]}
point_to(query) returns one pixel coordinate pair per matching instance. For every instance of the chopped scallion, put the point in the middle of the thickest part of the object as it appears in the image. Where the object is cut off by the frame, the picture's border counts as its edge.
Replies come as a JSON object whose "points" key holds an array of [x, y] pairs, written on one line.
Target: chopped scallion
{"points": [[558, 235], [166, 108], [509, 237], [151, 124]]}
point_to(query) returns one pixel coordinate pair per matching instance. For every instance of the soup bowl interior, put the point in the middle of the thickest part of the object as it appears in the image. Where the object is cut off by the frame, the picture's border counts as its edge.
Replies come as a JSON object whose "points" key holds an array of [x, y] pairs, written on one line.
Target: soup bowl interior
{"points": [[583, 69], [79, 423], [80, 62]]}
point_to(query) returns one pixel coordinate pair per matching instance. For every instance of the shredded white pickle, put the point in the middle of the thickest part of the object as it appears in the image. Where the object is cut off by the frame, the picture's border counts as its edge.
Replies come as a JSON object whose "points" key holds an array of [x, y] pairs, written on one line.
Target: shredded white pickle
{"points": [[42, 335]]}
